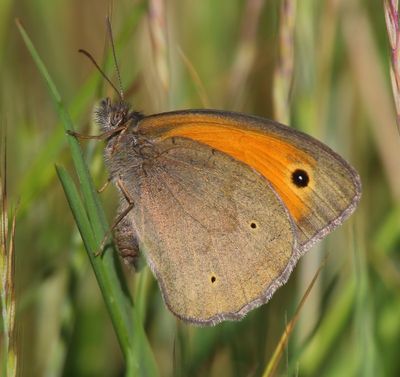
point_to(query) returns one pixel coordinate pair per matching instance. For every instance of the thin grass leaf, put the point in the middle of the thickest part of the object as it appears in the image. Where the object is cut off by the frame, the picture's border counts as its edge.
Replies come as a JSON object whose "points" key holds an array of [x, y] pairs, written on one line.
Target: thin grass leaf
{"points": [[283, 75], [195, 77], [138, 354], [8, 350], [92, 223], [246, 52], [333, 324], [272, 365], [364, 317], [40, 174], [391, 10], [159, 39]]}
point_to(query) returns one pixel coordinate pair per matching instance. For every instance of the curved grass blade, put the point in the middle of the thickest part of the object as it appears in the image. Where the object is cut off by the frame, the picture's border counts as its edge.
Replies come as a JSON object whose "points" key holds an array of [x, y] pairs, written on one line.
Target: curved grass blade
{"points": [[92, 224], [272, 366]]}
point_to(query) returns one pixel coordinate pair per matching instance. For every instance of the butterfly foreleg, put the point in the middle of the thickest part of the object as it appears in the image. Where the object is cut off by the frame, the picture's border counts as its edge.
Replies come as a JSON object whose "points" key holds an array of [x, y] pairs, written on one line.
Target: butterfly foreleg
{"points": [[105, 185]]}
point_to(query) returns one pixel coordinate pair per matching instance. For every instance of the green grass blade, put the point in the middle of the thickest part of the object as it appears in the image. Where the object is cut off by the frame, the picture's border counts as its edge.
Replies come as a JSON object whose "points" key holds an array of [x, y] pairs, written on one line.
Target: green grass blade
{"points": [[88, 191], [92, 224], [133, 340], [40, 174], [88, 237]]}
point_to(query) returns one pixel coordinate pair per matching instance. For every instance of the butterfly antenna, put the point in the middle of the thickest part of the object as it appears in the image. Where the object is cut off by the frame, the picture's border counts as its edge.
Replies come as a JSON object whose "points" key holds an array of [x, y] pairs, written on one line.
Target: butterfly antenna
{"points": [[121, 93], [91, 58]]}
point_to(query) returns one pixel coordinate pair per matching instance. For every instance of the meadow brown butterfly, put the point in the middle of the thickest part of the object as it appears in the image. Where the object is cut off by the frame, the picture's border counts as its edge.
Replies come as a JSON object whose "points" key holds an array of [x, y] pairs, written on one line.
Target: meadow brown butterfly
{"points": [[222, 204]]}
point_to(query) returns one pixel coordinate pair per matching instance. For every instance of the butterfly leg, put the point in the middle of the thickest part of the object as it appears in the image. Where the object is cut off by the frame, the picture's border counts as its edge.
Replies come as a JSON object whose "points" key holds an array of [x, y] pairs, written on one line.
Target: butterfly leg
{"points": [[102, 188], [121, 216], [103, 136]]}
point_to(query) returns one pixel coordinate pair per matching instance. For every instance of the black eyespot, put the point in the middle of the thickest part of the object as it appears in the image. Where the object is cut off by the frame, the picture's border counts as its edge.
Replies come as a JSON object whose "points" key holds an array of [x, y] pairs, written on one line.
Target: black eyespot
{"points": [[300, 178], [253, 225], [213, 279]]}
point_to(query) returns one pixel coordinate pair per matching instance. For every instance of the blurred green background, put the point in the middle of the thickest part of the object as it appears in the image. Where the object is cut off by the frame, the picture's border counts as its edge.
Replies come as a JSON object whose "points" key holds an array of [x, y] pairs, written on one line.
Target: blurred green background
{"points": [[331, 82]]}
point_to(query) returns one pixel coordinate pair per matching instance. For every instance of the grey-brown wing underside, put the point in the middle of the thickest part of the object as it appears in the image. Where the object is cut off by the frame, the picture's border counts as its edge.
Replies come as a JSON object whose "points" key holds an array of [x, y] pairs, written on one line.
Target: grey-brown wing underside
{"points": [[214, 232]]}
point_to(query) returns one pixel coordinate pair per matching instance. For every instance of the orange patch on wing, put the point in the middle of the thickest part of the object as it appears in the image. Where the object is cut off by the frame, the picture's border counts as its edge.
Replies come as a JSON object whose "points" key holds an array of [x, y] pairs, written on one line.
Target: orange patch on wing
{"points": [[272, 157]]}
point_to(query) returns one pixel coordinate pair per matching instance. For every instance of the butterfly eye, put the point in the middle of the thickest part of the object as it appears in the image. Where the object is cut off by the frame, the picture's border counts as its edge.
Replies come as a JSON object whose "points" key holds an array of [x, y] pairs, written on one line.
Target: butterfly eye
{"points": [[117, 118]]}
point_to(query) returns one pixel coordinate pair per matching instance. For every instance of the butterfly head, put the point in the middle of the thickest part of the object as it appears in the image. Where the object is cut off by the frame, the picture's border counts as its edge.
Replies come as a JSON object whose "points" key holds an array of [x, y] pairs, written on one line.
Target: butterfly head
{"points": [[116, 116]]}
